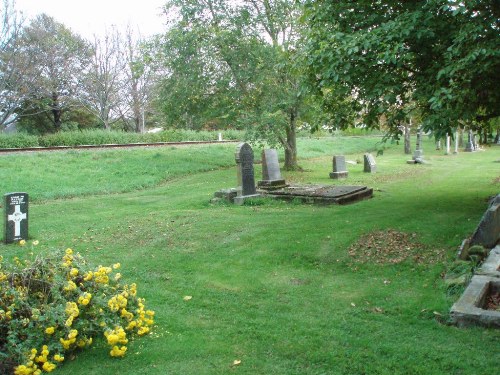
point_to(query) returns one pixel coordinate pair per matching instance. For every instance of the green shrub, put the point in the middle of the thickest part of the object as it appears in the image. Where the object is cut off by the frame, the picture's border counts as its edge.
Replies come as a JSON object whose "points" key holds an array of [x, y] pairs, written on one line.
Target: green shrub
{"points": [[18, 140], [101, 137], [57, 304]]}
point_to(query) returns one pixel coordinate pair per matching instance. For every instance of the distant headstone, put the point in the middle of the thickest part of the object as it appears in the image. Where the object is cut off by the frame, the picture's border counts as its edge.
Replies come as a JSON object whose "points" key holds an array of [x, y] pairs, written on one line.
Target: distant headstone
{"points": [[448, 144], [16, 217], [271, 174], [220, 137], [456, 142], [418, 154], [469, 147], [438, 144], [246, 178], [369, 163], [339, 168]]}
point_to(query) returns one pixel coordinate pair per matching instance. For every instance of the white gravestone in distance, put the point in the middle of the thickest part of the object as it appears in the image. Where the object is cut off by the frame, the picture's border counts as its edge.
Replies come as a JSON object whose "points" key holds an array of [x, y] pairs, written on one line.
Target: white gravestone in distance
{"points": [[16, 217]]}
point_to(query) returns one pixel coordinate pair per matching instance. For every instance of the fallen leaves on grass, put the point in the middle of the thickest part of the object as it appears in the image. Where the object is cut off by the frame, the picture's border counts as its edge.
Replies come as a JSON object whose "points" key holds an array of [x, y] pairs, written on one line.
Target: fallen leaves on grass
{"points": [[392, 247]]}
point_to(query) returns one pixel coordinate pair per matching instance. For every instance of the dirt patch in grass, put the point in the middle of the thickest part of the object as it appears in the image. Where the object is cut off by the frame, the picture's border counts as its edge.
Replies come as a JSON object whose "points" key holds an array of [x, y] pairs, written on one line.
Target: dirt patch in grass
{"points": [[391, 247]]}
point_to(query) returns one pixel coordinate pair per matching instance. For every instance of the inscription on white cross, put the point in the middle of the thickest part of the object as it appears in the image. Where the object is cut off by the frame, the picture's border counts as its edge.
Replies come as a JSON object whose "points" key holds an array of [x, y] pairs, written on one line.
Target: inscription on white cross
{"points": [[17, 216]]}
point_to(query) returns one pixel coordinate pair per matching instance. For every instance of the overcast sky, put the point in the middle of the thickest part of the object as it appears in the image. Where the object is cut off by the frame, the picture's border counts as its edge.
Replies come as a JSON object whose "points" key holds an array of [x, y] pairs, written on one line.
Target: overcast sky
{"points": [[91, 17]]}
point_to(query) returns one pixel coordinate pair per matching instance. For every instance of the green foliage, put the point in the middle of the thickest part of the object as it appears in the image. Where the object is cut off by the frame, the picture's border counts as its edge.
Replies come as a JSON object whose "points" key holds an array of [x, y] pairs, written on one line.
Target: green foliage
{"points": [[103, 137], [274, 285], [438, 55], [54, 305], [18, 140]]}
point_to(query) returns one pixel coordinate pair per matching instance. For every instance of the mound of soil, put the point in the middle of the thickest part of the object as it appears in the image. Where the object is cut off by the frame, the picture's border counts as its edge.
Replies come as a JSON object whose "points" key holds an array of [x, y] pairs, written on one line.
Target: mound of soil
{"points": [[391, 247]]}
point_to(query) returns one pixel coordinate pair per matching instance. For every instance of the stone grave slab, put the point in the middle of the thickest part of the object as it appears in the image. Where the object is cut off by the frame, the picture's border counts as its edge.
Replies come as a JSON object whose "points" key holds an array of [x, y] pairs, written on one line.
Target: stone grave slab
{"points": [[16, 217], [322, 194], [470, 309]]}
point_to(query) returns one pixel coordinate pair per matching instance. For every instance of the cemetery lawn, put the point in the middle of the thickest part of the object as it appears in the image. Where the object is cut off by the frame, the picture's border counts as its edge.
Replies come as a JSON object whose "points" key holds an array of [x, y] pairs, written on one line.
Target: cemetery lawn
{"points": [[284, 288]]}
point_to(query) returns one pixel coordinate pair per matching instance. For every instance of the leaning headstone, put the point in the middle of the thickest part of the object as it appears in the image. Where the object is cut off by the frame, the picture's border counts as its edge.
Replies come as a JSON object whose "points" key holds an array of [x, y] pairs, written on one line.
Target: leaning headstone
{"points": [[339, 168], [487, 233], [16, 217], [369, 163], [271, 174], [246, 179]]}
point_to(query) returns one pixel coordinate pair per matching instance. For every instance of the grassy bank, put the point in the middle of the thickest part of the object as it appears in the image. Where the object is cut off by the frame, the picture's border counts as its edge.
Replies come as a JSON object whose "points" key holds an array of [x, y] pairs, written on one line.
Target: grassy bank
{"points": [[284, 288]]}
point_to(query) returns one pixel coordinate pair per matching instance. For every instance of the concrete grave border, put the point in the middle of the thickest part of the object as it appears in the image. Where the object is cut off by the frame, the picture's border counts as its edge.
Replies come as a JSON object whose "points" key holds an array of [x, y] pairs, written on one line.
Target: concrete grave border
{"points": [[468, 311]]}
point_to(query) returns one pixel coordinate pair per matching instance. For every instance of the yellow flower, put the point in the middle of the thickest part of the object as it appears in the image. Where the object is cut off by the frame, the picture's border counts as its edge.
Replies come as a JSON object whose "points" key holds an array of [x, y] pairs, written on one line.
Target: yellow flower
{"points": [[22, 243], [118, 352], [116, 266], [49, 330], [48, 366], [69, 251], [73, 272], [58, 358], [36, 242]]}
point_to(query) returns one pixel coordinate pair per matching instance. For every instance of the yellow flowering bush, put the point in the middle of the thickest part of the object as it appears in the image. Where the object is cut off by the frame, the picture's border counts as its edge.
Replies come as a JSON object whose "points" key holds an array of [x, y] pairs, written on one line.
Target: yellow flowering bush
{"points": [[56, 304]]}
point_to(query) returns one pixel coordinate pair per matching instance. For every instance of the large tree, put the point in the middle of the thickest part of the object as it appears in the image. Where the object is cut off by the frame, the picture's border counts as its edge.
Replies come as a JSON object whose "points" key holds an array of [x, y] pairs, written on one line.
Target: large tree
{"points": [[14, 65], [58, 57], [104, 80], [232, 63], [386, 57]]}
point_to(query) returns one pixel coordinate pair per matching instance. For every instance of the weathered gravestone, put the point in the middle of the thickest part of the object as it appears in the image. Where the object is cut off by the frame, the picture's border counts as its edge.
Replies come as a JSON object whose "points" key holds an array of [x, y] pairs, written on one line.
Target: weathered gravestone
{"points": [[469, 147], [271, 174], [487, 233], [339, 168], [16, 217], [369, 163], [246, 180]]}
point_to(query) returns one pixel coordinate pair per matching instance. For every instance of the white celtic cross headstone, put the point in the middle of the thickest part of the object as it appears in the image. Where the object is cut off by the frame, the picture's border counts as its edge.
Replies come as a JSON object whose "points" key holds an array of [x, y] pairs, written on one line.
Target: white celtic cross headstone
{"points": [[16, 217]]}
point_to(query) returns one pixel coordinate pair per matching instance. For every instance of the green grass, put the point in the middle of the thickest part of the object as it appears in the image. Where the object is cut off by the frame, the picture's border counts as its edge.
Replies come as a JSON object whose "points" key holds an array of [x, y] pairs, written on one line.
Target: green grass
{"points": [[273, 284]]}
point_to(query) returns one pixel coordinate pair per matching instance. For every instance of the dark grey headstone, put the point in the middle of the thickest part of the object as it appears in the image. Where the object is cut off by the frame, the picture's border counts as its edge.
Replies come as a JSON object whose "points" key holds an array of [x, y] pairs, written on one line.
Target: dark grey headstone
{"points": [[339, 167], [244, 161], [369, 163], [16, 217]]}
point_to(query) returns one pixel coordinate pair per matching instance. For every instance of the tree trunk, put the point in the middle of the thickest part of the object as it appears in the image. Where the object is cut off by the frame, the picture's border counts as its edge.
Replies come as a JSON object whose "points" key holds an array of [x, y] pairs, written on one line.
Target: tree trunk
{"points": [[407, 139], [291, 143], [56, 111]]}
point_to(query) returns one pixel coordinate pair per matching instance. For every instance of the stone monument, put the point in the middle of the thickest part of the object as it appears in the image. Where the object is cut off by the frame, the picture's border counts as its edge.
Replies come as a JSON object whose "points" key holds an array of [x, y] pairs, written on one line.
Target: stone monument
{"points": [[16, 217], [369, 163], [246, 180], [339, 168], [469, 147], [418, 154], [271, 174]]}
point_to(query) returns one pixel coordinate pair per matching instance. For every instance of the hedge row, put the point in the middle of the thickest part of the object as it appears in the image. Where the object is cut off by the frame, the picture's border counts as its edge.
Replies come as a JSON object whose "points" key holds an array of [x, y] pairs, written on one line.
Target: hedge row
{"points": [[101, 137]]}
